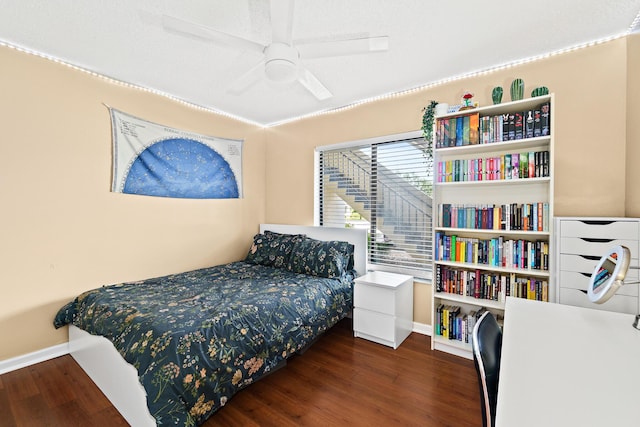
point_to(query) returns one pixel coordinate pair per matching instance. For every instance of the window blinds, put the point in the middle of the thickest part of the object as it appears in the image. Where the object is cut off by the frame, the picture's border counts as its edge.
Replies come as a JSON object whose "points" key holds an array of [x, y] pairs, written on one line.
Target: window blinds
{"points": [[386, 187]]}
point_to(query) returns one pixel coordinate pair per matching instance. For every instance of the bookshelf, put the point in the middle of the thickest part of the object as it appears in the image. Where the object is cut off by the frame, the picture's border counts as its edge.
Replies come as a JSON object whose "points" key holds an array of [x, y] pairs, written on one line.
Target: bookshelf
{"points": [[492, 214]]}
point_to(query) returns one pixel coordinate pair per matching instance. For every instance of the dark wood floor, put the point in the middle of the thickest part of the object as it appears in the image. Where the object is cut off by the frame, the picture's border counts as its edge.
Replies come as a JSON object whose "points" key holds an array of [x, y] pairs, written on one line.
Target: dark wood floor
{"points": [[340, 380]]}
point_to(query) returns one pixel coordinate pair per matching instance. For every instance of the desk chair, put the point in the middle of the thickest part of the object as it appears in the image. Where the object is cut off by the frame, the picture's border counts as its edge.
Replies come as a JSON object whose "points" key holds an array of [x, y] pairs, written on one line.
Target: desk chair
{"points": [[487, 349]]}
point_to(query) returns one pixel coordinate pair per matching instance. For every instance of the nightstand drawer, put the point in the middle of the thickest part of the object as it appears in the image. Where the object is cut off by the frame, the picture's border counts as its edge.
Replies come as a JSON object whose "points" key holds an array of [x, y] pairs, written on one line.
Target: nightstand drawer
{"points": [[374, 298], [379, 325], [618, 303], [600, 229]]}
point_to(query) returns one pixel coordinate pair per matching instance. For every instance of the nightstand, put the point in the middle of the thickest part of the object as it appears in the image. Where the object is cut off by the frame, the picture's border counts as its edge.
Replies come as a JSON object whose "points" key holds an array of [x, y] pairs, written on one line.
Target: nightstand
{"points": [[383, 307]]}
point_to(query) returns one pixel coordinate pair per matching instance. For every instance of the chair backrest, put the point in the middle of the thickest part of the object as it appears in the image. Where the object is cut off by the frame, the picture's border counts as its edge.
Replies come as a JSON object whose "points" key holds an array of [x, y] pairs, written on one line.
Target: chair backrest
{"points": [[487, 349]]}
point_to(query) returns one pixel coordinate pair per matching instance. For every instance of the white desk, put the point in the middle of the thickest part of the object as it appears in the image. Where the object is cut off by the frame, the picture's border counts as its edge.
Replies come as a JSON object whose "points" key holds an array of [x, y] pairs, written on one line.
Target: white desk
{"points": [[568, 366]]}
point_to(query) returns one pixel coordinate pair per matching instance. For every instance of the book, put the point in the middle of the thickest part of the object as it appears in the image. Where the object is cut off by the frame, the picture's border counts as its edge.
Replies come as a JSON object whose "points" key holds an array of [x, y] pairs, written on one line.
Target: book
{"points": [[545, 117], [528, 124], [518, 125], [524, 165], [537, 124], [474, 128], [466, 130], [453, 132], [512, 127], [515, 165], [459, 131], [505, 127]]}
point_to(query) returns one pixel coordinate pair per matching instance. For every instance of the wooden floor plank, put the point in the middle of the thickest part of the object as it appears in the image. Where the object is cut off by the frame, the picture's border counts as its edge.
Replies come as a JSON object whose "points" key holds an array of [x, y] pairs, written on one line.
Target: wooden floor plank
{"points": [[340, 380]]}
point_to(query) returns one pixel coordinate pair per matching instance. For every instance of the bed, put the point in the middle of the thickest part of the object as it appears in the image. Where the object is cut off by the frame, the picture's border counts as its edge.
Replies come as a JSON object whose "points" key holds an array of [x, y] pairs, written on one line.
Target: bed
{"points": [[172, 350]]}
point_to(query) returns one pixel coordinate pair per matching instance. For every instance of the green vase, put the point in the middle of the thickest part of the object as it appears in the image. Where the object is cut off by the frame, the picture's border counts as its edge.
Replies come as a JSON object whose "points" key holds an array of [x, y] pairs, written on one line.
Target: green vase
{"points": [[496, 94], [517, 89]]}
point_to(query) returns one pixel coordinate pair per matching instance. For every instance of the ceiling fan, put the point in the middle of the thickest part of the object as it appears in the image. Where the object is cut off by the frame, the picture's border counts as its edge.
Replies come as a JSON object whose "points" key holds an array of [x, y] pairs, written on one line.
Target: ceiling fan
{"points": [[281, 59]]}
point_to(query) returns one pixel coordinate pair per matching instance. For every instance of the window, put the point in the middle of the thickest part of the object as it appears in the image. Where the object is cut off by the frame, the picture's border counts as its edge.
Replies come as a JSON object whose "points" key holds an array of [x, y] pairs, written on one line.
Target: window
{"points": [[384, 185]]}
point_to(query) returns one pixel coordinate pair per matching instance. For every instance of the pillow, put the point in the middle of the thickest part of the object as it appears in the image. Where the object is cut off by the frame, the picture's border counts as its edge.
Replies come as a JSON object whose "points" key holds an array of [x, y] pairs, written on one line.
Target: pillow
{"points": [[321, 258], [272, 249]]}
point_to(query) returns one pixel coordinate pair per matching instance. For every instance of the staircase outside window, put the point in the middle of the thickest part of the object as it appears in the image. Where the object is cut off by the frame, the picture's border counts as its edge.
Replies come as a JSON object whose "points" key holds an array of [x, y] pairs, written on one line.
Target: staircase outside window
{"points": [[384, 186]]}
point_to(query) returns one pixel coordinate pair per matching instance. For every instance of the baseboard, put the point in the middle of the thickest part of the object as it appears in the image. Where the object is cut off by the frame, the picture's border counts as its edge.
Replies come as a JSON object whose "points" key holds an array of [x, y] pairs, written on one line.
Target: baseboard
{"points": [[33, 358], [422, 328]]}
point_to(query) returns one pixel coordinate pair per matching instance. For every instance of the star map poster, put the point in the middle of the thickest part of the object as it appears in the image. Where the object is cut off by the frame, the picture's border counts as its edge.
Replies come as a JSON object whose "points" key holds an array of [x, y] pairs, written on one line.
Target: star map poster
{"points": [[155, 160]]}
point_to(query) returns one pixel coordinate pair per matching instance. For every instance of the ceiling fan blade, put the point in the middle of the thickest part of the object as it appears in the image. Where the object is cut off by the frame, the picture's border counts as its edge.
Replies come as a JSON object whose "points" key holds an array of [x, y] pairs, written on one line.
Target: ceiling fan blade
{"points": [[281, 21], [248, 79], [200, 32], [343, 47], [313, 85]]}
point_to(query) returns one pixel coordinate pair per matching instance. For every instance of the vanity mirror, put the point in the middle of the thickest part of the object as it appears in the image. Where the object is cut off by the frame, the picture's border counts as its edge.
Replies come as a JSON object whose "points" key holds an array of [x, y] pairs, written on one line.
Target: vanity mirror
{"points": [[608, 276]]}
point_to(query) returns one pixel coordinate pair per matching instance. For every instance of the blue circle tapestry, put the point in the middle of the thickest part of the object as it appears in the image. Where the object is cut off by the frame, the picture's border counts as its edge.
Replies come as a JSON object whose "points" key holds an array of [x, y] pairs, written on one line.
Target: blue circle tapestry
{"points": [[182, 168]]}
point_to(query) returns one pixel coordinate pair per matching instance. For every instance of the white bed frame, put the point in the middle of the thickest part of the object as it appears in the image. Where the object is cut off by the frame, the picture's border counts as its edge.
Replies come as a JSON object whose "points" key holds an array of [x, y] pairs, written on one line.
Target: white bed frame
{"points": [[118, 380]]}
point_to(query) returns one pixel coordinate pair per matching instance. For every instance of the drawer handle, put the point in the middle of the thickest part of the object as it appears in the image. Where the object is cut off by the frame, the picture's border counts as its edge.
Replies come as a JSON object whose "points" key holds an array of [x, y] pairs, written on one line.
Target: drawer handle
{"points": [[583, 291], [594, 240], [586, 274], [596, 222], [590, 257]]}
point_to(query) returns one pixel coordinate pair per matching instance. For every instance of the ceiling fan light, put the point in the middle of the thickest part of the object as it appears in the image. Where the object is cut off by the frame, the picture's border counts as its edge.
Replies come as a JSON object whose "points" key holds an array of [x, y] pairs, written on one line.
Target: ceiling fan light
{"points": [[281, 70]]}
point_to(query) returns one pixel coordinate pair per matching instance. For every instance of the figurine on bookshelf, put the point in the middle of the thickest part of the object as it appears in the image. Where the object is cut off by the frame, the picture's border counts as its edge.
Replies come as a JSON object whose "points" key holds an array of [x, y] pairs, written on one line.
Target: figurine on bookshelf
{"points": [[496, 95], [467, 102], [517, 89], [540, 91]]}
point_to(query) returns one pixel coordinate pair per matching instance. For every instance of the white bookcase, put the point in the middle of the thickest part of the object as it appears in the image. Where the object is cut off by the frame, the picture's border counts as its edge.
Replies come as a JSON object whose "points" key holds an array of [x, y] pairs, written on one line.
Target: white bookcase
{"points": [[476, 206]]}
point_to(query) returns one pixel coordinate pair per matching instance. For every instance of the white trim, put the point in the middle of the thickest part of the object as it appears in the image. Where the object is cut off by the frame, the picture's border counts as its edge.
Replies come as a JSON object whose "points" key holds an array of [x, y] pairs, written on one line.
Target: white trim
{"points": [[316, 188], [29, 359], [368, 141], [423, 328]]}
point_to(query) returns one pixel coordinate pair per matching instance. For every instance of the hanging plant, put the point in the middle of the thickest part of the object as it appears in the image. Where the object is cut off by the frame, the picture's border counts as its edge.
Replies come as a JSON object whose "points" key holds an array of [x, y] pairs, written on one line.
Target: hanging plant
{"points": [[427, 125]]}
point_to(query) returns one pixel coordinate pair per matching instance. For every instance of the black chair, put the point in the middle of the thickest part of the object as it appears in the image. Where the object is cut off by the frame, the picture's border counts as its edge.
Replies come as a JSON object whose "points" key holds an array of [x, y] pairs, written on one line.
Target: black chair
{"points": [[487, 349]]}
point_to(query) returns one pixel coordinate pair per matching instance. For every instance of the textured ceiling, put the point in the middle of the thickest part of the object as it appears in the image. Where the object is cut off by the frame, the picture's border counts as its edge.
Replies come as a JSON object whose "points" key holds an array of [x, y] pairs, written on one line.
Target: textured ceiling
{"points": [[428, 41]]}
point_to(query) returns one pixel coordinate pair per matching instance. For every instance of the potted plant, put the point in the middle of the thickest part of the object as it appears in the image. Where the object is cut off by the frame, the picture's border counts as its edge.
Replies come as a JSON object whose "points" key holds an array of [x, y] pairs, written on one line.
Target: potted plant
{"points": [[427, 125]]}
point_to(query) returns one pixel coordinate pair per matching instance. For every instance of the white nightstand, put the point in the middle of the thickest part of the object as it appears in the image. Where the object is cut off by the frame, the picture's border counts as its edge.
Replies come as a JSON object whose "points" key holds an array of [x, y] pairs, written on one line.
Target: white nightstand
{"points": [[383, 307]]}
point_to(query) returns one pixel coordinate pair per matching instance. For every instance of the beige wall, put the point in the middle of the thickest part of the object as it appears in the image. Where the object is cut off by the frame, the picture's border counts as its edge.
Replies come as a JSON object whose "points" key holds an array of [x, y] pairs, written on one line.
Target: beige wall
{"points": [[590, 93], [633, 127], [63, 231]]}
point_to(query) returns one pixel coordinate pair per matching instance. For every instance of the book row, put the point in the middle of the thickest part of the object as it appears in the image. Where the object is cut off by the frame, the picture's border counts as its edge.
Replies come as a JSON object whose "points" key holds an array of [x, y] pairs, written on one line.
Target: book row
{"points": [[471, 129], [512, 216], [489, 285], [528, 164], [451, 323], [494, 252]]}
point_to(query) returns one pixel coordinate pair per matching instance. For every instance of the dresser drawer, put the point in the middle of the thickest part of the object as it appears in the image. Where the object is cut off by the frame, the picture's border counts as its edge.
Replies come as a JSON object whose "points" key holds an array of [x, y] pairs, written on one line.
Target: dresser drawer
{"points": [[588, 246], [375, 324], [374, 298], [575, 280], [600, 229], [619, 303], [579, 263]]}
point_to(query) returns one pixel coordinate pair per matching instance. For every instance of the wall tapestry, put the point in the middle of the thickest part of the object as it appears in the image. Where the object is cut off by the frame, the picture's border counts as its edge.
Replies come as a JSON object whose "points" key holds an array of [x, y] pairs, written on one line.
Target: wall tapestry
{"points": [[155, 160]]}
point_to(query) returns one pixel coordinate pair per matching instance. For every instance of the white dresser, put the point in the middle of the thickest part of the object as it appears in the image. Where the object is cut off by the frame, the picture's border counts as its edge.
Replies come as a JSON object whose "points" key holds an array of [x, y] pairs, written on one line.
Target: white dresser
{"points": [[581, 242], [383, 307]]}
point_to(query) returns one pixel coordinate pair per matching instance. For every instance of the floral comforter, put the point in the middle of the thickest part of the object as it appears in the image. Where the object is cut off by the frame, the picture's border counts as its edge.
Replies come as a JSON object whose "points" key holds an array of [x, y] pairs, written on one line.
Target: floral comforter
{"points": [[196, 338]]}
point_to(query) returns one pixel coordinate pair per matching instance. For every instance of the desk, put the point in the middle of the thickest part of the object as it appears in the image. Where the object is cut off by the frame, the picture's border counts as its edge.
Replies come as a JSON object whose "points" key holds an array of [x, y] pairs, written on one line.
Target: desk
{"points": [[568, 366]]}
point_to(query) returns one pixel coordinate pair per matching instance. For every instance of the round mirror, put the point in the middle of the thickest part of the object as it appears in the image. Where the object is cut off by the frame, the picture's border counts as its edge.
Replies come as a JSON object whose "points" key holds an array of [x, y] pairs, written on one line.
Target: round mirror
{"points": [[609, 274]]}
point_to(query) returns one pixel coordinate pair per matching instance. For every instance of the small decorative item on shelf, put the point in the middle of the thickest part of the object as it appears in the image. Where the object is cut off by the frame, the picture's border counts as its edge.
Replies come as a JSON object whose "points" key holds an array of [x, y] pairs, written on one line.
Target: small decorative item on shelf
{"points": [[540, 91], [517, 89], [496, 94], [442, 108], [427, 125], [466, 101]]}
